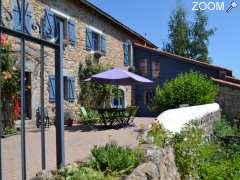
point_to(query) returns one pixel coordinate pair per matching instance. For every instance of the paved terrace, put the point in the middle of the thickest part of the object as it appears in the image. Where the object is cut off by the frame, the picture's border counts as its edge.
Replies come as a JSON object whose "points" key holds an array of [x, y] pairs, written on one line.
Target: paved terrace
{"points": [[78, 143]]}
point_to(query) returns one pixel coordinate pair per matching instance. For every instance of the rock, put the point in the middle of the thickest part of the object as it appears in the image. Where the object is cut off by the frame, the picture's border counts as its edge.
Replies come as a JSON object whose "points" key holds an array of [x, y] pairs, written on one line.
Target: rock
{"points": [[167, 166], [152, 153], [159, 163], [145, 171]]}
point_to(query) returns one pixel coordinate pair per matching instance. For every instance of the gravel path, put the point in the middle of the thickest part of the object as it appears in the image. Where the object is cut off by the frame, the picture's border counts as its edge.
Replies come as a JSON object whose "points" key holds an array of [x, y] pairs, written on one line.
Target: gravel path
{"points": [[78, 143]]}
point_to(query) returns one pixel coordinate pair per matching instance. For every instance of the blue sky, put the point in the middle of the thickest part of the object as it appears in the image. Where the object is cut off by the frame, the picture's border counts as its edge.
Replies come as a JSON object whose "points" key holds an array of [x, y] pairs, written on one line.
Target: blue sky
{"points": [[152, 16]]}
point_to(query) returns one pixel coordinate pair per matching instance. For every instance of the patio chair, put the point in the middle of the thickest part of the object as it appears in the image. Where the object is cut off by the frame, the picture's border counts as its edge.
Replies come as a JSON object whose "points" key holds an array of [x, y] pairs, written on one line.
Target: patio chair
{"points": [[38, 118], [88, 119]]}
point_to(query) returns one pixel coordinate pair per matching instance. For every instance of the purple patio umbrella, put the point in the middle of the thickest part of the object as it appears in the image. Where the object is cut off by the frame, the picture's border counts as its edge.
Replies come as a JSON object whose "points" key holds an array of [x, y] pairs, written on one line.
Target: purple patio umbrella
{"points": [[118, 76]]}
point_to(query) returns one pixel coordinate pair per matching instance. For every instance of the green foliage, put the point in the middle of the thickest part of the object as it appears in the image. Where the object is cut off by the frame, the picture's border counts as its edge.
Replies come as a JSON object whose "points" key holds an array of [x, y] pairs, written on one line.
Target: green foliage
{"points": [[10, 76], [178, 33], [160, 135], [10, 131], [114, 159], [187, 147], [200, 160], [84, 173], [223, 128], [93, 95], [190, 88], [189, 39], [200, 38]]}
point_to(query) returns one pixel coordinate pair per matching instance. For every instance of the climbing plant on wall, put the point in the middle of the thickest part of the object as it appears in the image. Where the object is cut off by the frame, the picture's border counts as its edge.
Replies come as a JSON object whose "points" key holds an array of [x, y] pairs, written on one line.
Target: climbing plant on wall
{"points": [[93, 95], [9, 79]]}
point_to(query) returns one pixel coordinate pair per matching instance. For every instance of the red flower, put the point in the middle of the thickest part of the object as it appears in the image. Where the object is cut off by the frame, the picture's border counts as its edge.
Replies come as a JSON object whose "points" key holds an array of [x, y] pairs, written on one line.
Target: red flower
{"points": [[4, 39]]}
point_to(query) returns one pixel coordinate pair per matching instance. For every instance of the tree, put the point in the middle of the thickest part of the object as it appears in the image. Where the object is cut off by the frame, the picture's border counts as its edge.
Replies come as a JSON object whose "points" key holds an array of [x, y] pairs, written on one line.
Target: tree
{"points": [[189, 40], [179, 32], [200, 38]]}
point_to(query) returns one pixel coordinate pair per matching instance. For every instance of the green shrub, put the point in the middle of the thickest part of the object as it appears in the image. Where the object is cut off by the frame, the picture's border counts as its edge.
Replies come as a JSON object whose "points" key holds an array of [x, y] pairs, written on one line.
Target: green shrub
{"points": [[200, 160], [10, 131], [114, 159], [223, 128], [160, 135], [187, 147], [190, 88]]}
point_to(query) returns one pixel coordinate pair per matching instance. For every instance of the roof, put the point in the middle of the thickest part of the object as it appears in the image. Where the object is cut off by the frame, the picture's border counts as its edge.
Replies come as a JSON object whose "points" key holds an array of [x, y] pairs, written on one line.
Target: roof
{"points": [[226, 83], [184, 59], [118, 23]]}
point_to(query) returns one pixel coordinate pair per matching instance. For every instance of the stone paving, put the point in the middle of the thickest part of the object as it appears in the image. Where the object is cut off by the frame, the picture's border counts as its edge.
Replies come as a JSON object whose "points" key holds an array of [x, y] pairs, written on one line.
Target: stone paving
{"points": [[79, 141]]}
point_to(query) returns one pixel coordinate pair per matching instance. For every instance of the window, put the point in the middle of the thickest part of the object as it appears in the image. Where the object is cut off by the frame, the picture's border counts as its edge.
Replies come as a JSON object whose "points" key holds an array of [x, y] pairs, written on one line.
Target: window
{"points": [[69, 88], [148, 96], [95, 41], [127, 49], [118, 99], [142, 67], [51, 20], [155, 69]]}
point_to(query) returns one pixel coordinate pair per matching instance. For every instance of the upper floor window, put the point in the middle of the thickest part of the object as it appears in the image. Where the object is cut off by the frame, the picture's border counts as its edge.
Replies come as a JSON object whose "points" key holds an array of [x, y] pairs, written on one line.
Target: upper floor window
{"points": [[51, 20], [142, 67], [155, 69], [127, 49], [95, 41]]}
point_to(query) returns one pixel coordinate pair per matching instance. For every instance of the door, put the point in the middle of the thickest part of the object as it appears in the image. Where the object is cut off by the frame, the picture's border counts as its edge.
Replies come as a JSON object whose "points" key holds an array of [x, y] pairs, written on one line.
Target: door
{"points": [[28, 94]]}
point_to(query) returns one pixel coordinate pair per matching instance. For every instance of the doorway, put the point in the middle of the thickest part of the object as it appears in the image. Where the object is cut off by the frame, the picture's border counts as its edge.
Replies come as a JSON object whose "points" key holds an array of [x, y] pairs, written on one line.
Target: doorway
{"points": [[28, 94]]}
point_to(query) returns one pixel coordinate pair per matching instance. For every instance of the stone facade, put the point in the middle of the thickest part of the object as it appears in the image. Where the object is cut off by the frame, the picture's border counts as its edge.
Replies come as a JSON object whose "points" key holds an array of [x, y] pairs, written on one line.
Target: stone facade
{"points": [[229, 100], [73, 56]]}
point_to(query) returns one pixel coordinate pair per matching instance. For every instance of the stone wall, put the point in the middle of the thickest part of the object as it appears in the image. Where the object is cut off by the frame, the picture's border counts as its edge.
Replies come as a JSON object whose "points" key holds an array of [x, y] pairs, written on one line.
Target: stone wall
{"points": [[229, 100], [159, 165], [115, 37]]}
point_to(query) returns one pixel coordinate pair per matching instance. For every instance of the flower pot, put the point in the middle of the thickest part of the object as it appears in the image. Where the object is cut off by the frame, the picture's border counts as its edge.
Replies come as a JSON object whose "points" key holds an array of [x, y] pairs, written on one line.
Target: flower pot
{"points": [[68, 122]]}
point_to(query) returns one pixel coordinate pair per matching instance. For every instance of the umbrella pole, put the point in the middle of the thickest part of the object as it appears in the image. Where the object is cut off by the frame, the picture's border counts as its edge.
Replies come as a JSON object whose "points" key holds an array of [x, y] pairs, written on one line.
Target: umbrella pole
{"points": [[117, 96]]}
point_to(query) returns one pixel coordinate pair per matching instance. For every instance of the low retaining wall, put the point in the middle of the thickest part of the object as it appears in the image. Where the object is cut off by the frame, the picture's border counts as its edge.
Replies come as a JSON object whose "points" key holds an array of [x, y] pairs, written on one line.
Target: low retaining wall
{"points": [[159, 164], [174, 119]]}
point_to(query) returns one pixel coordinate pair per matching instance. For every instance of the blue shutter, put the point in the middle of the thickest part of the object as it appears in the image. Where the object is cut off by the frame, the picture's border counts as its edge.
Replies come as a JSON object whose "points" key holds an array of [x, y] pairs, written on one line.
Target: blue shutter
{"points": [[71, 92], [16, 17], [103, 44], [89, 39], [51, 89], [49, 24], [72, 32], [66, 89], [28, 20], [126, 54]]}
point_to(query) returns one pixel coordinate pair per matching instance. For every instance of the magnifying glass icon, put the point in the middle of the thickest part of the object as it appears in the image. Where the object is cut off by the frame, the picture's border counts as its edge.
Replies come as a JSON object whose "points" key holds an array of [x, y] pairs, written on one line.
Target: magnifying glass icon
{"points": [[232, 5]]}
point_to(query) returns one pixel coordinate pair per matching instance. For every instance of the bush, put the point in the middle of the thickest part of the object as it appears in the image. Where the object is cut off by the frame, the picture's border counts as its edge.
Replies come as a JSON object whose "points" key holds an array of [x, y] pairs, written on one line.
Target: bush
{"points": [[200, 160], [190, 88], [223, 128], [114, 159], [160, 135]]}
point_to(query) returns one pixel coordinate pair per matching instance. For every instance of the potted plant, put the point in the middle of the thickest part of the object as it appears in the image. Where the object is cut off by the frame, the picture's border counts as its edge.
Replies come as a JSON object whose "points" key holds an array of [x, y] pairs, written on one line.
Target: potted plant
{"points": [[68, 118]]}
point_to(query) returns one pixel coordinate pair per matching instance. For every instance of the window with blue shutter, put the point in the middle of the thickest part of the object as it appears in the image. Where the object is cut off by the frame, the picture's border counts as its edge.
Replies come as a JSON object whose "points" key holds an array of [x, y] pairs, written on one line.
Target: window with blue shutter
{"points": [[51, 89], [28, 20], [72, 32], [16, 17], [126, 53], [103, 44], [89, 39], [49, 24], [71, 92]]}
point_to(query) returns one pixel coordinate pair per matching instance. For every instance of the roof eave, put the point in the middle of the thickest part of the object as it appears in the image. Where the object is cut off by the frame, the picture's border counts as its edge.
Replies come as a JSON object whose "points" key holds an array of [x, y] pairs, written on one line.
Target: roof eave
{"points": [[87, 3]]}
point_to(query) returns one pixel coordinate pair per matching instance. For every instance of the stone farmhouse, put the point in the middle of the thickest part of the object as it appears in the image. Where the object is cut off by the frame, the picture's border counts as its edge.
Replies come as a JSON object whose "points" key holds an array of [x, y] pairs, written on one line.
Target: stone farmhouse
{"points": [[89, 31]]}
